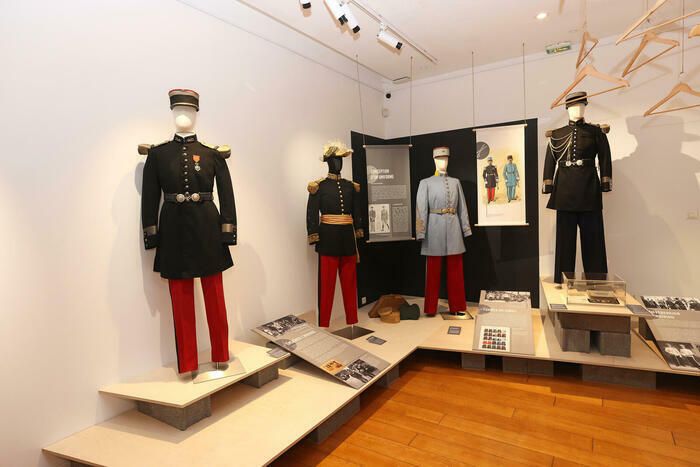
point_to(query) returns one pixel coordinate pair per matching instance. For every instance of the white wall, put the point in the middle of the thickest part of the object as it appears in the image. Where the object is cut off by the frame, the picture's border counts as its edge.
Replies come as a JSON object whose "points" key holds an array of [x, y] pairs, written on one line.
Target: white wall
{"points": [[656, 170], [83, 83]]}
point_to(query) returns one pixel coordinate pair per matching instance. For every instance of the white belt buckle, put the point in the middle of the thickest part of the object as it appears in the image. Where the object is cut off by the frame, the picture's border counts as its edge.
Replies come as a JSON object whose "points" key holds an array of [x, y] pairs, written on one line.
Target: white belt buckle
{"points": [[579, 162], [568, 163]]}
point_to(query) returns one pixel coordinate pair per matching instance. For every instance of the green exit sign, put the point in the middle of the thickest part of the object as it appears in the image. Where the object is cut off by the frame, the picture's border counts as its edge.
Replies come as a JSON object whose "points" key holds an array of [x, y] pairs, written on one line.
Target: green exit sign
{"points": [[559, 47]]}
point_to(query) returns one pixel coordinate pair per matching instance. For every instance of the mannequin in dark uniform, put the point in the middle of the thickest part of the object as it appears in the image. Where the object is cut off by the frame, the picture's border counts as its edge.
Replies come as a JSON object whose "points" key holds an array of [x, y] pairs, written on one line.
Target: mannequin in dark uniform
{"points": [[575, 188], [334, 234], [191, 236]]}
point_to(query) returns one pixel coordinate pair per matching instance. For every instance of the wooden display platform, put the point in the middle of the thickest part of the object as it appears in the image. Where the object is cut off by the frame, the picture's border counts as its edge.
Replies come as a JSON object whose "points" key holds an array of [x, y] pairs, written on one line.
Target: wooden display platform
{"points": [[555, 294], [253, 427], [165, 387]]}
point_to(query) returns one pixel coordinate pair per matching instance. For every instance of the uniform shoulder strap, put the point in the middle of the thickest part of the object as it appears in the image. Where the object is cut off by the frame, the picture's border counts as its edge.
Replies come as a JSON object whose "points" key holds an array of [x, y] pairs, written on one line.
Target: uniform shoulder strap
{"points": [[145, 148], [314, 186], [224, 150], [356, 186]]}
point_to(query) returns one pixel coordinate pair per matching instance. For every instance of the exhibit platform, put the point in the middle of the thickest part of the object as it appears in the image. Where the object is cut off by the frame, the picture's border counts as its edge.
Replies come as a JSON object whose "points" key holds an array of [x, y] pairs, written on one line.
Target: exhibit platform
{"points": [[304, 401]]}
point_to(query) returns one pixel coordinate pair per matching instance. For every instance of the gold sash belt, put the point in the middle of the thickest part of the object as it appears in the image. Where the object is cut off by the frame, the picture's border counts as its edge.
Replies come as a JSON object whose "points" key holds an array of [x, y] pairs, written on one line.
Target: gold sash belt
{"points": [[443, 211], [336, 219]]}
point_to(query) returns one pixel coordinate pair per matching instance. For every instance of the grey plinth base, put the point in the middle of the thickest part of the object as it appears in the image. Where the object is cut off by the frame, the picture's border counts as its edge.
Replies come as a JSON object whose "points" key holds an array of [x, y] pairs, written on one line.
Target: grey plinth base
{"points": [[338, 419], [180, 418], [613, 343], [571, 340], [288, 362], [590, 322], [525, 366], [626, 377], [471, 361], [262, 377], [388, 378]]}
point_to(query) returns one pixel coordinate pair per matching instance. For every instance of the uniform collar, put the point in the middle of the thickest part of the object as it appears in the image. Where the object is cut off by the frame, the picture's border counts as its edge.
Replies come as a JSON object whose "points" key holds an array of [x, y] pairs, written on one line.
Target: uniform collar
{"points": [[334, 176], [578, 122], [186, 139], [441, 174]]}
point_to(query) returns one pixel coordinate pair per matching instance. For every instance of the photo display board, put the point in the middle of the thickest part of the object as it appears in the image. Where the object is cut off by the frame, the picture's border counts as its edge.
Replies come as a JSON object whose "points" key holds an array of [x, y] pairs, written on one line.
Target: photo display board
{"points": [[500, 164], [337, 357], [390, 214]]}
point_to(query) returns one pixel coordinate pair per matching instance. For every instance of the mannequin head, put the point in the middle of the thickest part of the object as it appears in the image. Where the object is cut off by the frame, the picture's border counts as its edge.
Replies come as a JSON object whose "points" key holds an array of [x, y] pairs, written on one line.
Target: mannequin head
{"points": [[184, 104], [510, 159], [576, 103], [185, 118], [576, 112], [441, 158], [335, 165], [489, 160]]}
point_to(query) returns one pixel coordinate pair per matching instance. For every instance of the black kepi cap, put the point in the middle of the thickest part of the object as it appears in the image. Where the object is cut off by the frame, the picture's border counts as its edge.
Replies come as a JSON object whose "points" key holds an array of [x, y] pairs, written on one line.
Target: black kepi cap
{"points": [[186, 97], [574, 98]]}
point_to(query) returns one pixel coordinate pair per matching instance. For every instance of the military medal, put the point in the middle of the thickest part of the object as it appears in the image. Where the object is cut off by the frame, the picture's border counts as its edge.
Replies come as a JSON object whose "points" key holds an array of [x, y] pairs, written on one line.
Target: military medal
{"points": [[196, 158]]}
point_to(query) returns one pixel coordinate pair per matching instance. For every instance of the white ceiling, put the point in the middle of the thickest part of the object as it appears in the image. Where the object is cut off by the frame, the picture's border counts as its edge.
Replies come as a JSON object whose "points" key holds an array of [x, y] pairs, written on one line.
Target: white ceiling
{"points": [[451, 29]]}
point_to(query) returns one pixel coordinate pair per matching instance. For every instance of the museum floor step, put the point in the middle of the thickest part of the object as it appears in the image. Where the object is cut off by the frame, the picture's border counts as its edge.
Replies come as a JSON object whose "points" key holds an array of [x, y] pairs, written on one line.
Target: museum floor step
{"points": [[436, 413]]}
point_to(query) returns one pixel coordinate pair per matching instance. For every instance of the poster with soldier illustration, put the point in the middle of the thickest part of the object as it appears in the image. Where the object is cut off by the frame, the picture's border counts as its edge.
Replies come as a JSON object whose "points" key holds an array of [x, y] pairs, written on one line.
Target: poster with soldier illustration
{"points": [[500, 170]]}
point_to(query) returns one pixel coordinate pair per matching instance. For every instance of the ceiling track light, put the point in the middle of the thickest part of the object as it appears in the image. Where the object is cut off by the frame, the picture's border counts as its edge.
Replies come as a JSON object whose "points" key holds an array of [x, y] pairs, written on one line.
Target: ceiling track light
{"points": [[305, 4], [337, 10], [387, 38], [352, 19]]}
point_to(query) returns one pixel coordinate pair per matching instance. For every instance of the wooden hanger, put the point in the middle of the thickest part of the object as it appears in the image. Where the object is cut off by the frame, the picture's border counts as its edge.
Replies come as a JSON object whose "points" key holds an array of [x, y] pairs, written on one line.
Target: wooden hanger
{"points": [[646, 40], [582, 54], [589, 70], [681, 87], [695, 31], [659, 3]]}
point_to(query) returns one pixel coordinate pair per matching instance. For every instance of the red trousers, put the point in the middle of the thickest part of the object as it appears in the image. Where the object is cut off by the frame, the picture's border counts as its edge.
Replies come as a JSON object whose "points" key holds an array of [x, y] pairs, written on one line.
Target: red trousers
{"points": [[491, 192], [182, 297], [455, 284], [328, 270]]}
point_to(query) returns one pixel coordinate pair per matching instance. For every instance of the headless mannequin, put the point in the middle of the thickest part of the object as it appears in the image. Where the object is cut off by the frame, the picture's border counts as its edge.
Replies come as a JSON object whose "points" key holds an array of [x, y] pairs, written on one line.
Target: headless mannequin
{"points": [[185, 118], [335, 165]]}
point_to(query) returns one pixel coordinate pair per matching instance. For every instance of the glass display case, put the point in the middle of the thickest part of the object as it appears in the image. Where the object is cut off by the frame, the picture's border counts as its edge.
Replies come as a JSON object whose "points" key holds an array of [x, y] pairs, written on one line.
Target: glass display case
{"points": [[594, 289]]}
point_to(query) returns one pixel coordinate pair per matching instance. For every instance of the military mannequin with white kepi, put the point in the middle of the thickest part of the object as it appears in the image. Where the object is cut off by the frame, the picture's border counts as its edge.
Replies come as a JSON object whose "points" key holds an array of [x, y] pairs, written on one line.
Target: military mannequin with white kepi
{"points": [[442, 223]]}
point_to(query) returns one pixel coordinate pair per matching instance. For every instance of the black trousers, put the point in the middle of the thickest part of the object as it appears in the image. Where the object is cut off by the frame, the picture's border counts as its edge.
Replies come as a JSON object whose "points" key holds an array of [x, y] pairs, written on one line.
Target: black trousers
{"points": [[590, 223]]}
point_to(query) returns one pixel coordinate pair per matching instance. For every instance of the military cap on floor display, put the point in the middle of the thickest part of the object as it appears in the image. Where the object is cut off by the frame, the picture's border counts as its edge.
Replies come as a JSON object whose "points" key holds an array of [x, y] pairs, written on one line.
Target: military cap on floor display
{"points": [[185, 97]]}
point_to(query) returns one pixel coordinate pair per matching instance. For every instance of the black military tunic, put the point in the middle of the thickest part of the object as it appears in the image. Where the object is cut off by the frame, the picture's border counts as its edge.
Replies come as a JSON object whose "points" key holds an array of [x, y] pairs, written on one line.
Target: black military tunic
{"points": [[192, 237], [570, 173], [333, 195], [490, 176]]}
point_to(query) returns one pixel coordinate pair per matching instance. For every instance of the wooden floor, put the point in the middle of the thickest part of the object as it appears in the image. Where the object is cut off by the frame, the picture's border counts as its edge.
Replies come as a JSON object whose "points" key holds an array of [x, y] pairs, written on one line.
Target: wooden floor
{"points": [[439, 414]]}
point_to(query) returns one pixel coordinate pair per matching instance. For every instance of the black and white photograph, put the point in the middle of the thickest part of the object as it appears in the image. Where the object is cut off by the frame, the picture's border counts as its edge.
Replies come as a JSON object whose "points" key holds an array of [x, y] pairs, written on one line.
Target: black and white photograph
{"points": [[358, 373], [681, 355], [379, 218], [280, 326], [506, 296], [496, 338], [662, 302]]}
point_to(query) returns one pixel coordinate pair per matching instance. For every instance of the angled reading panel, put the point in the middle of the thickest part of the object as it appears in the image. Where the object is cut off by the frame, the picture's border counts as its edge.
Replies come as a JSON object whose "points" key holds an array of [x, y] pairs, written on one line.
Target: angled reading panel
{"points": [[582, 52], [649, 38], [630, 34], [677, 89], [589, 70]]}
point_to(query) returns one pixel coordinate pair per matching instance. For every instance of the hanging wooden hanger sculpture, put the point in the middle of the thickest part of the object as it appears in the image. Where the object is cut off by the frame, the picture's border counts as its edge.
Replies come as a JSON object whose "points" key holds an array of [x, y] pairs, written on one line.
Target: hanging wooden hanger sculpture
{"points": [[628, 34], [582, 53], [649, 38], [679, 88], [695, 31], [589, 70]]}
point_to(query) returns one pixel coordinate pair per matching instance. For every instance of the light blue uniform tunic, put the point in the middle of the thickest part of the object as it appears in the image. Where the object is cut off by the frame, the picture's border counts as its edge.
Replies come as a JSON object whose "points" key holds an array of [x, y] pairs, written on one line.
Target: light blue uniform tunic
{"points": [[442, 234]]}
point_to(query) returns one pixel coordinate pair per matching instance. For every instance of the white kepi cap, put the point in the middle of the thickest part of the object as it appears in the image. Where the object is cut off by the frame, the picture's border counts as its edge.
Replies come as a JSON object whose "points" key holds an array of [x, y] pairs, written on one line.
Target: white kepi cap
{"points": [[442, 151]]}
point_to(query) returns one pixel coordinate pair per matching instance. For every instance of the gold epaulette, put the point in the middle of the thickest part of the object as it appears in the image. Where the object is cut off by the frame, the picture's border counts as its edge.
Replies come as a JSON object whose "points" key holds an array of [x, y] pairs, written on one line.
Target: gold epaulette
{"points": [[223, 150], [603, 126], [144, 148], [313, 186], [356, 186]]}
